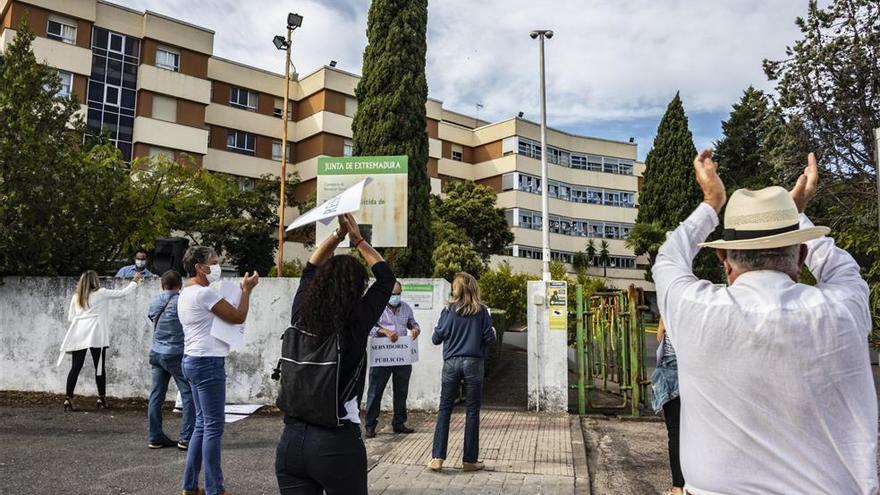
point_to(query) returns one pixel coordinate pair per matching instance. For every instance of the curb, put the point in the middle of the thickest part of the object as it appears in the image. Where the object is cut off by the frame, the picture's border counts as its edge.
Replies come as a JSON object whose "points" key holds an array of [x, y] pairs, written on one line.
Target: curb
{"points": [[579, 455]]}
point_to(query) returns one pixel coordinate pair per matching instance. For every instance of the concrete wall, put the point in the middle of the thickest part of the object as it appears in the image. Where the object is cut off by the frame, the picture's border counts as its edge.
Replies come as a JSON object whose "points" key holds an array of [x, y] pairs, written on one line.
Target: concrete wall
{"points": [[33, 321], [547, 351]]}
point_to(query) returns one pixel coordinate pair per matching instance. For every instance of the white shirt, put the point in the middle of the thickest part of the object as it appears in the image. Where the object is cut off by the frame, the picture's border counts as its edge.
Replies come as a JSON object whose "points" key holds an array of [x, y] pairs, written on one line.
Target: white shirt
{"points": [[194, 310], [775, 380]]}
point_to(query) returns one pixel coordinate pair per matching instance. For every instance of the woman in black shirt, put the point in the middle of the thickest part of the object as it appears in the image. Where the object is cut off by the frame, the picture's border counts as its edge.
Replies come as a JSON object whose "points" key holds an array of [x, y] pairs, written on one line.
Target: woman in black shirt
{"points": [[313, 459]]}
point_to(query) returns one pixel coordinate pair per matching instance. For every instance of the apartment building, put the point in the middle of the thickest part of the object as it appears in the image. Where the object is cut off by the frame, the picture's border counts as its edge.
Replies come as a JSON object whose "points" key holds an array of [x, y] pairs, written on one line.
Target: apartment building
{"points": [[154, 85]]}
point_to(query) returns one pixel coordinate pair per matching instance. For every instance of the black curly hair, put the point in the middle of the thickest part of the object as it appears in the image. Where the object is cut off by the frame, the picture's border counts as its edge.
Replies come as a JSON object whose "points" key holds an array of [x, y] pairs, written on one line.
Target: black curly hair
{"points": [[337, 287]]}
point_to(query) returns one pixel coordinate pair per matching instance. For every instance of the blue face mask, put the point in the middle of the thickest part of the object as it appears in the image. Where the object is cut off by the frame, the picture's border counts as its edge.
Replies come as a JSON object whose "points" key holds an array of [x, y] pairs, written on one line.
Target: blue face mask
{"points": [[395, 300]]}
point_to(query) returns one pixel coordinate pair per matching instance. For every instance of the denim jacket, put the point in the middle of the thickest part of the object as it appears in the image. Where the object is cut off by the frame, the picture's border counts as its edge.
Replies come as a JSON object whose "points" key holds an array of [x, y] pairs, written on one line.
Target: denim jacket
{"points": [[168, 334]]}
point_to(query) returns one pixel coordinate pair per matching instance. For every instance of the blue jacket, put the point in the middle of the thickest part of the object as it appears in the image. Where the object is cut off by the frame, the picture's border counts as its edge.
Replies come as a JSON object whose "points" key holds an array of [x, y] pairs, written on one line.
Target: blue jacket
{"points": [[464, 336], [168, 334]]}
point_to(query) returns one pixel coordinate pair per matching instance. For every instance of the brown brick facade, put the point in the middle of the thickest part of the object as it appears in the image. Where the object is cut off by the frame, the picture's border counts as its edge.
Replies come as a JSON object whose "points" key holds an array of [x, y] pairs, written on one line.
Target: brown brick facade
{"points": [[190, 113], [487, 152], [38, 18]]}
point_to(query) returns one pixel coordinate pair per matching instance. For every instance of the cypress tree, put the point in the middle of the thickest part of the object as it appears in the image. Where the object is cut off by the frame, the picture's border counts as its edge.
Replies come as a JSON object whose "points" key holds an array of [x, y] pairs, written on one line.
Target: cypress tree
{"points": [[741, 154], [390, 119], [669, 192]]}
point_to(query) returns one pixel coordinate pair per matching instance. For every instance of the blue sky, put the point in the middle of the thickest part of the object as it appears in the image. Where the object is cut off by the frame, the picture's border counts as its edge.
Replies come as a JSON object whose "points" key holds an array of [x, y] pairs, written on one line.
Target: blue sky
{"points": [[612, 66]]}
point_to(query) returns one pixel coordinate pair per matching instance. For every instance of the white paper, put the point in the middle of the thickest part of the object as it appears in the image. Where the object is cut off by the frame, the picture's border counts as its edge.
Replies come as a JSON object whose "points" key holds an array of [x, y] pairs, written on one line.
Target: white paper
{"points": [[345, 202], [242, 408], [232, 418], [230, 333], [401, 353]]}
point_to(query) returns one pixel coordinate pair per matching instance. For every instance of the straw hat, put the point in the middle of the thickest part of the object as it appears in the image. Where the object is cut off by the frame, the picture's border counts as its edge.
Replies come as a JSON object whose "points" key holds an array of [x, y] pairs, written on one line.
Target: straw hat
{"points": [[763, 219]]}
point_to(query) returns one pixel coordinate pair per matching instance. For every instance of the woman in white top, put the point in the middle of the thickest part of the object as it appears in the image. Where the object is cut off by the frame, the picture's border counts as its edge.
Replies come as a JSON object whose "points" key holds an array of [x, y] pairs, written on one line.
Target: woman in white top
{"points": [[88, 316], [204, 362]]}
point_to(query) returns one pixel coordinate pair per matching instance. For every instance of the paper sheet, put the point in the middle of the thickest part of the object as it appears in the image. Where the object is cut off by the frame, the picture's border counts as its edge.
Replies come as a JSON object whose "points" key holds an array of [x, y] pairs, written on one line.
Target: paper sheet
{"points": [[237, 412], [230, 333], [345, 202]]}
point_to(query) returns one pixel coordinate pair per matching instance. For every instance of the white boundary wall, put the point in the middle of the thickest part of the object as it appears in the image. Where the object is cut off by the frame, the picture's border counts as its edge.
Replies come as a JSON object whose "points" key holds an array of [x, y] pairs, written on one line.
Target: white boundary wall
{"points": [[33, 321]]}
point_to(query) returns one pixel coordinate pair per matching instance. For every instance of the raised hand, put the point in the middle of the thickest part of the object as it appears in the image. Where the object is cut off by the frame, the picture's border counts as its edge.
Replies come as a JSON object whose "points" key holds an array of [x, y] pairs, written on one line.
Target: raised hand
{"points": [[250, 281], [706, 171], [807, 184], [354, 232], [137, 276]]}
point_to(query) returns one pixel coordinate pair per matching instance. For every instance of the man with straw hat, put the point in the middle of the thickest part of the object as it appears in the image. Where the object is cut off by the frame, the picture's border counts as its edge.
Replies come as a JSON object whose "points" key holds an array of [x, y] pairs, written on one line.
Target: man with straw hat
{"points": [[775, 381]]}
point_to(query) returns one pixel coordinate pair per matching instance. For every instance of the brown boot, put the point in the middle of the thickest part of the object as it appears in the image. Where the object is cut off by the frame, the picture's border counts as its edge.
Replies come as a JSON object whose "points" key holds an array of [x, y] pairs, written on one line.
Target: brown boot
{"points": [[472, 466], [197, 491]]}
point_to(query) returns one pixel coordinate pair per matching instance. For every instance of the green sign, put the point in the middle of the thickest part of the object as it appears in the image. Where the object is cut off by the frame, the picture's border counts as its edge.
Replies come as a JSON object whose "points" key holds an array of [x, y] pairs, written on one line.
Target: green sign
{"points": [[363, 165], [418, 296]]}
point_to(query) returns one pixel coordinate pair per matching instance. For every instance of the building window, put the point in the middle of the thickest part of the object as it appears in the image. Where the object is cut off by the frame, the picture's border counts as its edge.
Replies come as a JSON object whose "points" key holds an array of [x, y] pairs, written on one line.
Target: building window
{"points": [[279, 107], [61, 29], [626, 168], [159, 151], [246, 184], [111, 89], [168, 58], [243, 98], [276, 150], [457, 152], [66, 84], [351, 106], [241, 142], [347, 148], [579, 162], [164, 108]]}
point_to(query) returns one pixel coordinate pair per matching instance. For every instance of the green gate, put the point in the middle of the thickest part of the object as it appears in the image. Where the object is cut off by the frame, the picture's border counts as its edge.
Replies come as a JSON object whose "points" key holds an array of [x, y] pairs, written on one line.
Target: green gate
{"points": [[610, 344]]}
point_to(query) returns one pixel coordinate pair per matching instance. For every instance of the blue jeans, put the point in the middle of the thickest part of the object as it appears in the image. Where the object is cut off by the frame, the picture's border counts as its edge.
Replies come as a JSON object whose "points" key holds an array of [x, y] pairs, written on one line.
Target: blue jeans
{"points": [[379, 376], [455, 371], [207, 377], [164, 368]]}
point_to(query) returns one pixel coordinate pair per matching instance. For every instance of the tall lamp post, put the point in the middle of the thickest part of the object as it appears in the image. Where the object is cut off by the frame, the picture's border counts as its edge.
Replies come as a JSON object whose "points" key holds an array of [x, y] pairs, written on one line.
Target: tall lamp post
{"points": [[293, 21], [540, 34]]}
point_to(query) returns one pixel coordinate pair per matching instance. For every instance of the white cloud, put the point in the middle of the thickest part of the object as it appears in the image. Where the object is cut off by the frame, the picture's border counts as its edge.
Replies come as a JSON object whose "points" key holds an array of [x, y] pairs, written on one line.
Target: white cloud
{"points": [[608, 60]]}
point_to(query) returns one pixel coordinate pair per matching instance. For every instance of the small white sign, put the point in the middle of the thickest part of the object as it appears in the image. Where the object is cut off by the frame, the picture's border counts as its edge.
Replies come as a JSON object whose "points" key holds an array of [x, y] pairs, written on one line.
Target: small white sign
{"points": [[401, 353], [345, 202], [230, 333]]}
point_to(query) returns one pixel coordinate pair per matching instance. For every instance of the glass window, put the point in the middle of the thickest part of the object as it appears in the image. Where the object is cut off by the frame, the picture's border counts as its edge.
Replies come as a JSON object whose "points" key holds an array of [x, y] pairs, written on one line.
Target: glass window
{"points": [[246, 184], [457, 152], [164, 108], [241, 142], [112, 95], [351, 106], [116, 42], [612, 198], [597, 229], [610, 166], [594, 163], [347, 148], [626, 168], [66, 84], [627, 199], [167, 58], [594, 197], [276, 150], [61, 30], [243, 98], [278, 108], [579, 162], [114, 72]]}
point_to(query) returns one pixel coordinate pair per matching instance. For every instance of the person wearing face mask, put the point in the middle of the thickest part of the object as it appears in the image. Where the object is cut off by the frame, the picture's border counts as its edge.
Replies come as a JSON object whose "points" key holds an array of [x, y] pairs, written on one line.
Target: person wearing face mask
{"points": [[396, 321], [204, 358], [139, 266]]}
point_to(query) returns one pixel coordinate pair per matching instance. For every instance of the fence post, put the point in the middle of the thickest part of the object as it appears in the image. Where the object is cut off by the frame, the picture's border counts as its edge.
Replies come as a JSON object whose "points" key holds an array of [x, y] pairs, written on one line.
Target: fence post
{"points": [[634, 341], [579, 348]]}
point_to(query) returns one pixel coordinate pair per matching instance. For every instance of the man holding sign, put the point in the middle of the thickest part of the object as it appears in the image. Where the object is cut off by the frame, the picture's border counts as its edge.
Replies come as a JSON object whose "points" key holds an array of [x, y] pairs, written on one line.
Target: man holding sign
{"points": [[397, 321]]}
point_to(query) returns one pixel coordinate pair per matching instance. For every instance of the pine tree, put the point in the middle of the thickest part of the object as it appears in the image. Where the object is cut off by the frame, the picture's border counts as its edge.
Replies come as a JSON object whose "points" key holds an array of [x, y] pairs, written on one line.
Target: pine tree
{"points": [[390, 119], [742, 153], [669, 192]]}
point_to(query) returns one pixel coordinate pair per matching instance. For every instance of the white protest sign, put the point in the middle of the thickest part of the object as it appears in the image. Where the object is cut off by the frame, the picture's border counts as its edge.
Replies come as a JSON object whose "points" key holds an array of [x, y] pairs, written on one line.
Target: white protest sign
{"points": [[401, 353], [345, 202], [230, 333]]}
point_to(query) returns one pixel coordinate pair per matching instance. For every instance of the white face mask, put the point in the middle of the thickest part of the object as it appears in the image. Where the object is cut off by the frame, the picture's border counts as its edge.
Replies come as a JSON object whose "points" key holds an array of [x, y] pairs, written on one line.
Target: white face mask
{"points": [[215, 273], [140, 263]]}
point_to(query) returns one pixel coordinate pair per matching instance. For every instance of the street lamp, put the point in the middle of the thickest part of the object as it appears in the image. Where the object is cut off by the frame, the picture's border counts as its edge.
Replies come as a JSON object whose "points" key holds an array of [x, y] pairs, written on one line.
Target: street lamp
{"points": [[545, 199], [293, 21]]}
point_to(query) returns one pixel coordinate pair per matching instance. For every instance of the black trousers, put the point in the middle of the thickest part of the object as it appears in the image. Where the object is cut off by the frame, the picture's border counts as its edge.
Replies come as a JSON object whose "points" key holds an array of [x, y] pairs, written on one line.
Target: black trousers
{"points": [[672, 417], [311, 460], [79, 358]]}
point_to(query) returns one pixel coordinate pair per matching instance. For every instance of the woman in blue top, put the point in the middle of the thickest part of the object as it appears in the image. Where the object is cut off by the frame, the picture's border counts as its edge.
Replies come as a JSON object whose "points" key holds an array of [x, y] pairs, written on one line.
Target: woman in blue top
{"points": [[465, 329], [665, 398]]}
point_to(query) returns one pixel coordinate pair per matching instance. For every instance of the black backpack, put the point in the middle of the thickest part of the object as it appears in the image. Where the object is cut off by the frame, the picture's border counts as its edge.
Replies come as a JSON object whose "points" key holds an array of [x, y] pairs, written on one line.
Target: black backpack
{"points": [[310, 369]]}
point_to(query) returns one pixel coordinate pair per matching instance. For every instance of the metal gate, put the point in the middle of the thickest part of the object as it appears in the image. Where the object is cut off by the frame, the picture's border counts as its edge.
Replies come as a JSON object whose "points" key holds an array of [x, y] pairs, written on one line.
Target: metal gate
{"points": [[610, 345]]}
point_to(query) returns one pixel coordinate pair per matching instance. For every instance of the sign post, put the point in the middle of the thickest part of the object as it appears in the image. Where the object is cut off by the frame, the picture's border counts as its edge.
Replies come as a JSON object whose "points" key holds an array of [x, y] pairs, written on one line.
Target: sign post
{"points": [[384, 201]]}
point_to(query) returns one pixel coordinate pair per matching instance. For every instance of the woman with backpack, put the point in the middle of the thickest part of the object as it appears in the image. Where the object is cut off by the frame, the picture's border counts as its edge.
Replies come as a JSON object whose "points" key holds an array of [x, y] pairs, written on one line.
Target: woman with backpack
{"points": [[465, 330], [89, 316], [326, 454]]}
